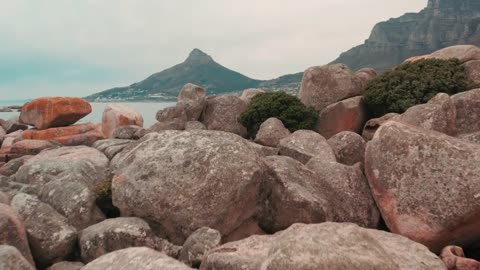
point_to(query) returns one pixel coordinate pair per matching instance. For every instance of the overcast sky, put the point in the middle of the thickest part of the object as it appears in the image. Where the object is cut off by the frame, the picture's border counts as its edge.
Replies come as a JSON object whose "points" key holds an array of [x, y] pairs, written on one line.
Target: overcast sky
{"points": [[78, 47]]}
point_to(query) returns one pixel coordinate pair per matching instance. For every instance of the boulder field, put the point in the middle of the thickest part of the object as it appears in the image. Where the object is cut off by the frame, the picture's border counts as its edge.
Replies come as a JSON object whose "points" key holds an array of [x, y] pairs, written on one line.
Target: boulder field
{"points": [[399, 192]]}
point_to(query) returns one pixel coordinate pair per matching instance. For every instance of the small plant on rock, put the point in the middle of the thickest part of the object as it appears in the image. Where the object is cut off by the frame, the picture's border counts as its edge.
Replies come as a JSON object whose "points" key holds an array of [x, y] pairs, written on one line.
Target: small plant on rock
{"points": [[414, 83], [287, 108]]}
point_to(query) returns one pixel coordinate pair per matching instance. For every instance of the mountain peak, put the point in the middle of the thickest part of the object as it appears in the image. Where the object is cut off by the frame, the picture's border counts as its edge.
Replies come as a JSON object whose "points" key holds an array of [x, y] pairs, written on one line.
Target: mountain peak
{"points": [[198, 56]]}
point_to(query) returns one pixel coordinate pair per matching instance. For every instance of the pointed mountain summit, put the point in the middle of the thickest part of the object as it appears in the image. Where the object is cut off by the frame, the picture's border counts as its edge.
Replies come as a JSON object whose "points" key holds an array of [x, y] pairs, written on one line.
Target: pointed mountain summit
{"points": [[199, 68]]}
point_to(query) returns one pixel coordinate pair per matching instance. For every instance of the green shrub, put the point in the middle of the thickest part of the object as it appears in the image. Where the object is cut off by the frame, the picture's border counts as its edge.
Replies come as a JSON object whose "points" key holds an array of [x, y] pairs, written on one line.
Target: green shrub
{"points": [[287, 108], [414, 83]]}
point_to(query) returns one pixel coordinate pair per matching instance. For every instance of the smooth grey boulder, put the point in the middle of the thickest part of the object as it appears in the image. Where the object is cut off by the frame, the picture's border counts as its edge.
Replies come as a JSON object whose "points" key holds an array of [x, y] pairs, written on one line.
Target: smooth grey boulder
{"points": [[349, 147], [325, 85], [185, 180], [135, 258], [325, 246], [271, 132], [198, 244], [415, 175], [302, 145], [66, 266], [77, 164], [111, 147], [50, 236], [467, 105], [223, 113], [193, 98], [74, 200], [12, 259], [114, 234]]}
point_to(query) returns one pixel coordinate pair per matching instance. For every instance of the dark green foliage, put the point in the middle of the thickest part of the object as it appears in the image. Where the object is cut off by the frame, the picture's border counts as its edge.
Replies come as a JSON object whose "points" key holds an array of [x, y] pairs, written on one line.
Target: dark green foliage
{"points": [[414, 83], [287, 108]]}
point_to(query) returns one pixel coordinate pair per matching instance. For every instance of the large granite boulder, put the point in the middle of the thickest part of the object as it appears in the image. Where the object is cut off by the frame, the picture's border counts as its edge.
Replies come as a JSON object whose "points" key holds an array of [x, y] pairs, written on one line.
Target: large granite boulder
{"points": [[31, 147], [223, 113], [12, 124], [127, 132], [271, 132], [190, 125], [74, 200], [348, 192], [325, 85], [51, 237], [438, 114], [12, 166], [464, 53], [82, 134], [248, 94], [325, 246], [349, 147], [472, 68], [12, 259], [293, 194], [66, 266], [467, 106], [198, 244], [171, 118], [366, 75], [454, 258], [193, 98], [184, 180], [135, 258], [111, 147], [302, 145], [346, 115], [114, 234], [117, 115], [374, 124], [416, 174], [13, 232], [75, 164], [54, 112]]}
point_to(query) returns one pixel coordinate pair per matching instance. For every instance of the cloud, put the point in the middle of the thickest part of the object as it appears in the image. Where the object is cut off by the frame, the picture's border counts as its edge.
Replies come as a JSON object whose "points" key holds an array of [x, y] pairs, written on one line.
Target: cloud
{"points": [[59, 44]]}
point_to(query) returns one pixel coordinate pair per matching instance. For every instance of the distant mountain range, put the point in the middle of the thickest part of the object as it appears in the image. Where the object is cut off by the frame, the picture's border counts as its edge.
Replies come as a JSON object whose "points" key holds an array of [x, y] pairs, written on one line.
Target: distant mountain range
{"points": [[441, 24]]}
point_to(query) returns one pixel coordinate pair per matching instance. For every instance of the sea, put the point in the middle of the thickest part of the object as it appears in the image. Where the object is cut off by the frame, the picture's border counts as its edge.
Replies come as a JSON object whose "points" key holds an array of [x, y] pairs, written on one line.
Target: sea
{"points": [[147, 109]]}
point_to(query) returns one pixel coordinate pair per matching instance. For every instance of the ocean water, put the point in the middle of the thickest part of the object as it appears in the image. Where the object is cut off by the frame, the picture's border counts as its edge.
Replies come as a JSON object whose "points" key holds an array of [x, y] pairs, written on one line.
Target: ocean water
{"points": [[147, 109]]}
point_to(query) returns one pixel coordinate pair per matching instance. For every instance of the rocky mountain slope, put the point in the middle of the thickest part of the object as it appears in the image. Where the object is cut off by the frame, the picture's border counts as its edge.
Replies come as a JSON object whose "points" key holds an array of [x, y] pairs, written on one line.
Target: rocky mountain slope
{"points": [[441, 24], [199, 68]]}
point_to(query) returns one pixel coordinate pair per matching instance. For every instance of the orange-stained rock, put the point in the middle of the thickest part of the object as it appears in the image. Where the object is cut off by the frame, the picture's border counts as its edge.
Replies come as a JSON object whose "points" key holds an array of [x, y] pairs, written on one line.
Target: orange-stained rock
{"points": [[50, 112], [117, 115], [84, 134], [454, 259]]}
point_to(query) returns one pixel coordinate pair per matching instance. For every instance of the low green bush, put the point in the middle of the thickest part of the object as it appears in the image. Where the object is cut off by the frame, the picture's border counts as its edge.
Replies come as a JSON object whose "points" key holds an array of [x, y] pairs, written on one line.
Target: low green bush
{"points": [[414, 83], [287, 108]]}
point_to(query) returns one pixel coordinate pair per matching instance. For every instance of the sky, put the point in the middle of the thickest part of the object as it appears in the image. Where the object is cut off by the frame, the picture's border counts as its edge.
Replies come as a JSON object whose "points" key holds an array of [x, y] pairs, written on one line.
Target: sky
{"points": [[76, 48]]}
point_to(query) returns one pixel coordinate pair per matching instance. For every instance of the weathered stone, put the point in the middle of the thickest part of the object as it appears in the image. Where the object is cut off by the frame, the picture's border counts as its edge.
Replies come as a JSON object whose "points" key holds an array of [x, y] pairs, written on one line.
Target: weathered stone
{"points": [[346, 115], [470, 137], [12, 231], [248, 94], [187, 180], [83, 134], [302, 145], [75, 164], [415, 175], [11, 125], [293, 194], [171, 118], [438, 114], [54, 112], [31, 147], [135, 258], [464, 53], [116, 115], [12, 166], [325, 85], [472, 68], [349, 147], [467, 106], [66, 266], [193, 98], [373, 124], [271, 132], [50, 236], [348, 192], [4, 198], [127, 132], [12, 259], [113, 234], [223, 113], [198, 244], [454, 259], [74, 200], [325, 246], [111, 147], [191, 125], [263, 151], [365, 75]]}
